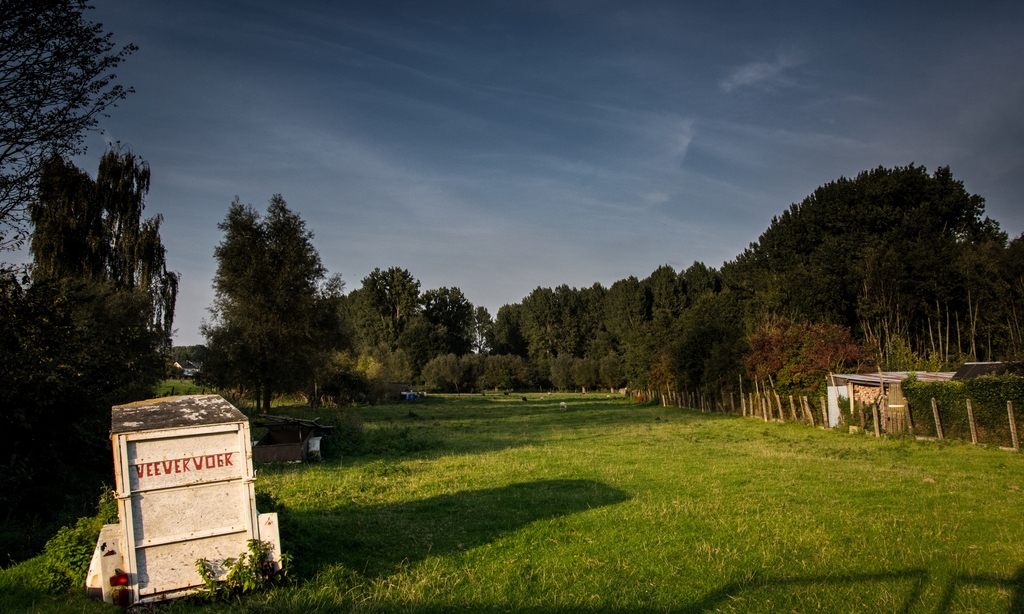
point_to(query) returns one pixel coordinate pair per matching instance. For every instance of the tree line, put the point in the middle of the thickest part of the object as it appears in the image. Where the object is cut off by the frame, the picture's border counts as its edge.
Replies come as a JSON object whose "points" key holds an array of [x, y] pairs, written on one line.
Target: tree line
{"points": [[895, 269]]}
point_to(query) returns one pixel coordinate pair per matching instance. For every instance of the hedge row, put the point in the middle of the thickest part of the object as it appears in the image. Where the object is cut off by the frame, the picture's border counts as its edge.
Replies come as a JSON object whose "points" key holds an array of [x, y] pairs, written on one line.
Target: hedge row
{"points": [[988, 397]]}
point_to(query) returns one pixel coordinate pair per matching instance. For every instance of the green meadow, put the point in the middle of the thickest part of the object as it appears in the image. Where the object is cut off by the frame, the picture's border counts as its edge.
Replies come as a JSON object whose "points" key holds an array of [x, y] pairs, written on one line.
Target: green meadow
{"points": [[491, 504]]}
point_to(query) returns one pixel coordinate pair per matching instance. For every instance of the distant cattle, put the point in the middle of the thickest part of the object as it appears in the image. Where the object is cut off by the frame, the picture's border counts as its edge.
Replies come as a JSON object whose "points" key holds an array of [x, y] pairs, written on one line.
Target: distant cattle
{"points": [[524, 398], [562, 406]]}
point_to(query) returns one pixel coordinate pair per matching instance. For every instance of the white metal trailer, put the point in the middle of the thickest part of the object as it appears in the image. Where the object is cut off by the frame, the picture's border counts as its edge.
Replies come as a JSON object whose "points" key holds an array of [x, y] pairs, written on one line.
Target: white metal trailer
{"points": [[184, 485]]}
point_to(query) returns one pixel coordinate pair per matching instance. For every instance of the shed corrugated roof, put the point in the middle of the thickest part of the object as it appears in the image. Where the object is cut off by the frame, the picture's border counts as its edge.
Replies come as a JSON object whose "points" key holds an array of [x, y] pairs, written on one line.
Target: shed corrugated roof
{"points": [[173, 412], [890, 377], [971, 370]]}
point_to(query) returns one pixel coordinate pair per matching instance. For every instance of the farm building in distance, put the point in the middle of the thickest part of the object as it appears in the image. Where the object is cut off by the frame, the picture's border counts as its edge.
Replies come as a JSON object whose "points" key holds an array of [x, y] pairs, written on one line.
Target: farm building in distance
{"points": [[189, 368]]}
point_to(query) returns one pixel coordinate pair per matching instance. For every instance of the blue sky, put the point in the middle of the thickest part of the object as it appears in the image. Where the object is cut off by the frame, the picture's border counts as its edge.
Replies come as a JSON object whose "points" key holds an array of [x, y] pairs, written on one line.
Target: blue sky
{"points": [[498, 147]]}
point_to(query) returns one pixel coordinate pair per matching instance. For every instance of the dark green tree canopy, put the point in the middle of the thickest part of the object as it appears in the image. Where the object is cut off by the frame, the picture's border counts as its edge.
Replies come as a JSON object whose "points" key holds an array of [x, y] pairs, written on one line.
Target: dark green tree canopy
{"points": [[508, 331], [451, 311], [561, 321], [891, 254], [95, 229], [274, 313], [628, 308], [70, 347], [384, 305]]}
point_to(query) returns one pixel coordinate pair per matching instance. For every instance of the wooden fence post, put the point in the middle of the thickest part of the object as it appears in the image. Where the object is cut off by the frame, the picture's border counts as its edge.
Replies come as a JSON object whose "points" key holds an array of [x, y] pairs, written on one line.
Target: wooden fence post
{"points": [[935, 413], [849, 391], [875, 416], [970, 418], [824, 413], [807, 410], [1013, 426]]}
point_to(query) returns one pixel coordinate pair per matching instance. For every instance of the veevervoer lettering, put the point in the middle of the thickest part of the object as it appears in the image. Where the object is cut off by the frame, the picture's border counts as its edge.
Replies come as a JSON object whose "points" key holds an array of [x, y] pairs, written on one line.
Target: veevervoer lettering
{"points": [[184, 465]]}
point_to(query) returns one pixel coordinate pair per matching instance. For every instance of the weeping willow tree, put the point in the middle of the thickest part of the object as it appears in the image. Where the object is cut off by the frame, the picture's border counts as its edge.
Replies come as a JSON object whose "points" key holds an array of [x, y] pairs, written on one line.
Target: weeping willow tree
{"points": [[95, 229]]}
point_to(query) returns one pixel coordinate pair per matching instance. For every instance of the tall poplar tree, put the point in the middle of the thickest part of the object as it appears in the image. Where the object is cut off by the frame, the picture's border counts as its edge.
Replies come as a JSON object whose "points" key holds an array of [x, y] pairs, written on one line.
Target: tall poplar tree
{"points": [[275, 313], [449, 309], [386, 304]]}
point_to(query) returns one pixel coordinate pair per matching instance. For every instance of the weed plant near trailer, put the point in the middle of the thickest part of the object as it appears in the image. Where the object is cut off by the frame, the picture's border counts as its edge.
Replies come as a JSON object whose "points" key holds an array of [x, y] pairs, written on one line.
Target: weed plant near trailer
{"points": [[503, 505]]}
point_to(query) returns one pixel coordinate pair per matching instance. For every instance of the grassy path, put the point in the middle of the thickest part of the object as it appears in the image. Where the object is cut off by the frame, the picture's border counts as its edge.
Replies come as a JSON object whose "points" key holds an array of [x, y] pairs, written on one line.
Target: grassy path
{"points": [[491, 504]]}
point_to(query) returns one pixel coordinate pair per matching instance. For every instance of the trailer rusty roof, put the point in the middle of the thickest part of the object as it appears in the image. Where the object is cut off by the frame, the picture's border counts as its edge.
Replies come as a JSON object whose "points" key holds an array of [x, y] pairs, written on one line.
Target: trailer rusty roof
{"points": [[173, 412]]}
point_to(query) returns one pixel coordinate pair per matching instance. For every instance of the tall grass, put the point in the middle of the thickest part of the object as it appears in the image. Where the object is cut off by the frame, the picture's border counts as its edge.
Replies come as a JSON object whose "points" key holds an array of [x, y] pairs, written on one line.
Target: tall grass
{"points": [[492, 504]]}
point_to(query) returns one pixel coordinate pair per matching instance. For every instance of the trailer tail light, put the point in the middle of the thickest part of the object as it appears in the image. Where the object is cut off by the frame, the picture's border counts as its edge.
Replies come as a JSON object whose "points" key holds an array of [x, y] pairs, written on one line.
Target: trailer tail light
{"points": [[120, 578]]}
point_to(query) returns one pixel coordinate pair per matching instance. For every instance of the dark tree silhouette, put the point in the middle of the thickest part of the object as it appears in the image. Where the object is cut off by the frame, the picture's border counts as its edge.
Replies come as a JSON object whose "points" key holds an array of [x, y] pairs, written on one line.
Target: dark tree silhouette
{"points": [[56, 79]]}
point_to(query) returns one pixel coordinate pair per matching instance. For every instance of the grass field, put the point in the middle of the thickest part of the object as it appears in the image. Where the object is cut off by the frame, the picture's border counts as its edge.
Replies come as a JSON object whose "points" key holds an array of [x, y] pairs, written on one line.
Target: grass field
{"points": [[490, 504]]}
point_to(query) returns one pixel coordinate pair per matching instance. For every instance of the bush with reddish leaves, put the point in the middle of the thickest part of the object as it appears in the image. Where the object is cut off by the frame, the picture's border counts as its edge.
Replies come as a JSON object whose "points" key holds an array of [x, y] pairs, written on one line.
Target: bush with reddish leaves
{"points": [[796, 356]]}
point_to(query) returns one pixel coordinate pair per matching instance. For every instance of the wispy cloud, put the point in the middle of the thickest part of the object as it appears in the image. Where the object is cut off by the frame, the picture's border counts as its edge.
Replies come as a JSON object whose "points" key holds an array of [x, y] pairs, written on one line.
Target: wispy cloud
{"points": [[681, 138], [776, 73]]}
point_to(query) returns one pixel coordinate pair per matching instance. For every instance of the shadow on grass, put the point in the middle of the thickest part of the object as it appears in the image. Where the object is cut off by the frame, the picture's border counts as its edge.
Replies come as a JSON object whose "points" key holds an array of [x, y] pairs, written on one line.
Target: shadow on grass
{"points": [[916, 577], [731, 596], [378, 540], [1013, 585]]}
